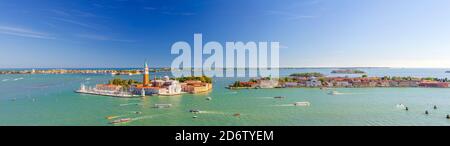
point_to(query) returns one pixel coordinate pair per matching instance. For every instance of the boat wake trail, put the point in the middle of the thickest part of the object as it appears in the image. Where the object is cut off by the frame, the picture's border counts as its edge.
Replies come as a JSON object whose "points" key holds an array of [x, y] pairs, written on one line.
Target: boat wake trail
{"points": [[127, 104], [16, 79], [212, 112], [351, 93], [148, 117], [346, 93], [143, 117], [265, 97], [284, 105], [4, 80]]}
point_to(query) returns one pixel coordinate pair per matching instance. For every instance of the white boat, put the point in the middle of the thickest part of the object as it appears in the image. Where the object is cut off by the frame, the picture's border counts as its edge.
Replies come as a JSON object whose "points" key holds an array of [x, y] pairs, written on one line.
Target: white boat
{"points": [[208, 98], [162, 105], [400, 106], [168, 94], [143, 92], [302, 103]]}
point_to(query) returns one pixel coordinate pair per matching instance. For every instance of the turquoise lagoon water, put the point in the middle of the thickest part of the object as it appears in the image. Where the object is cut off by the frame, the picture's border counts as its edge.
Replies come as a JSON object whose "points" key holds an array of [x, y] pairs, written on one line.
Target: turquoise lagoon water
{"points": [[50, 100]]}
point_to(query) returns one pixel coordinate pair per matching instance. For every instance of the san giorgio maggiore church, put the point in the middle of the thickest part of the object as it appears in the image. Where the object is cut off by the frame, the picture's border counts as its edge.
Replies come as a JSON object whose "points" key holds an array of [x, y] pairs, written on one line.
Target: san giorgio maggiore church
{"points": [[164, 86]]}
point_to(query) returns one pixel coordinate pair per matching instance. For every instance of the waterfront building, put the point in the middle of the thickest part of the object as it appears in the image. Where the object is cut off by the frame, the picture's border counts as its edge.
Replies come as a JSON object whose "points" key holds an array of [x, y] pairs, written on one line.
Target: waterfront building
{"points": [[407, 83], [373, 83], [383, 83], [327, 84], [343, 84], [195, 86], [393, 83], [166, 86], [434, 84], [268, 83], [169, 87], [158, 83], [291, 84], [313, 82], [140, 89]]}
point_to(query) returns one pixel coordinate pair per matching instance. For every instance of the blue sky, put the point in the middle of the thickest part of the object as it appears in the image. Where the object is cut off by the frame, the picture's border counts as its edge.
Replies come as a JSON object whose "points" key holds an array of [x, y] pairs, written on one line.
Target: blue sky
{"points": [[312, 33]]}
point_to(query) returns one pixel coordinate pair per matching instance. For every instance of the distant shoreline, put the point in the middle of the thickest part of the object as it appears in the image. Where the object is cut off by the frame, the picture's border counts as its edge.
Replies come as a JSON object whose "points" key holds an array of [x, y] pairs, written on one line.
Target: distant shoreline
{"points": [[82, 71], [168, 68], [121, 71], [124, 68]]}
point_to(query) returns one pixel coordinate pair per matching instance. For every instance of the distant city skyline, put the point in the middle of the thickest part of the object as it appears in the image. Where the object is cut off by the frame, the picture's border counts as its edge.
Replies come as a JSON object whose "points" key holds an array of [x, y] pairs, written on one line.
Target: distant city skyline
{"points": [[312, 33]]}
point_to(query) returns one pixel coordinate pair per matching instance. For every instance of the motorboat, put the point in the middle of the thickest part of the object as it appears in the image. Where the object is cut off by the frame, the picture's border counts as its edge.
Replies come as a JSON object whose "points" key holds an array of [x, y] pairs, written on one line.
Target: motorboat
{"points": [[279, 97], [208, 98], [162, 105], [400, 106], [194, 111], [120, 121], [302, 103]]}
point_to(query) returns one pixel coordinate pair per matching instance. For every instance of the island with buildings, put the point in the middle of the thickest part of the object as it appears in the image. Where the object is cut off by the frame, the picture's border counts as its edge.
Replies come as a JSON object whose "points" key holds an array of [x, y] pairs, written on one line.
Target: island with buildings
{"points": [[317, 80], [158, 86], [84, 71], [347, 71]]}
